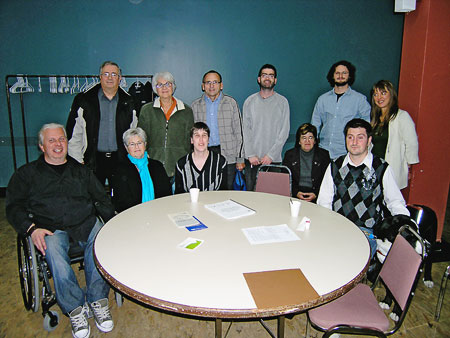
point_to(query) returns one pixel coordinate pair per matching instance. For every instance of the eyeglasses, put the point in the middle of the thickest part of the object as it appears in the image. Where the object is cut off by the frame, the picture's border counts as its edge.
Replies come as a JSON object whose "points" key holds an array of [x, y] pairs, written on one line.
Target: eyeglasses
{"points": [[304, 138], [135, 145], [270, 76], [208, 83], [108, 74], [167, 85], [62, 139]]}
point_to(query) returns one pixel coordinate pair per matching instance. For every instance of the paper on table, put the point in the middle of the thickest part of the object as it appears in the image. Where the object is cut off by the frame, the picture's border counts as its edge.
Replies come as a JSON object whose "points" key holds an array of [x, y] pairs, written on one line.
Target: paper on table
{"points": [[190, 244], [270, 234], [183, 219], [230, 209]]}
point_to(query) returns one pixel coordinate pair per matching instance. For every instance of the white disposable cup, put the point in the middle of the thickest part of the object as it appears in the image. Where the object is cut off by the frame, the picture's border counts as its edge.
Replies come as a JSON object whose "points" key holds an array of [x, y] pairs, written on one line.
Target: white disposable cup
{"points": [[194, 194], [295, 208]]}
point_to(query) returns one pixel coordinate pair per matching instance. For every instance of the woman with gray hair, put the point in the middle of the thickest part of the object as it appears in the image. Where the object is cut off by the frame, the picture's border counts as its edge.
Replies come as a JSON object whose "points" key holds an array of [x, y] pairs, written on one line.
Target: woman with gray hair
{"points": [[167, 122], [140, 179]]}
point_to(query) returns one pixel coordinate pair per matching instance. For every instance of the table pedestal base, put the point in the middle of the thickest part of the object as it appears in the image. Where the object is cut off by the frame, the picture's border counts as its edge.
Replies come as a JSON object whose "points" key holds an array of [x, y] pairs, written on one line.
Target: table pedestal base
{"points": [[280, 327]]}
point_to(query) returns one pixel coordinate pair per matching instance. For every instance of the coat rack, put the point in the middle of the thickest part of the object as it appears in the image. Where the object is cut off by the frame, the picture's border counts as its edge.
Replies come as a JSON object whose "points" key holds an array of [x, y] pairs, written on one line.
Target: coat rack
{"points": [[58, 84]]}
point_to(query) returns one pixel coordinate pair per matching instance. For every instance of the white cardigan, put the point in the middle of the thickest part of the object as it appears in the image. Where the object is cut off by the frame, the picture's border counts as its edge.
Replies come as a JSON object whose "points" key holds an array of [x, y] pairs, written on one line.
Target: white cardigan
{"points": [[402, 148]]}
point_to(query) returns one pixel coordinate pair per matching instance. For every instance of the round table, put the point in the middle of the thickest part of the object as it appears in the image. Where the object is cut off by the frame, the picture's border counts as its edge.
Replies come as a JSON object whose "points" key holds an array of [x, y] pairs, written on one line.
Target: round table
{"points": [[137, 252]]}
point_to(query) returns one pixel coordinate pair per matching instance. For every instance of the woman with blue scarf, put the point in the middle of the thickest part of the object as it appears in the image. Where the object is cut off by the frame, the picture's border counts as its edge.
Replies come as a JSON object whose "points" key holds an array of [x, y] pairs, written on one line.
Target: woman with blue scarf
{"points": [[139, 179]]}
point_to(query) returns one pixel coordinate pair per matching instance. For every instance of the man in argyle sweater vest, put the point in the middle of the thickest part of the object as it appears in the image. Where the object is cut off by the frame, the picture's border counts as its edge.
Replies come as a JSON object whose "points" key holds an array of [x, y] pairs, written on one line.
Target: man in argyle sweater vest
{"points": [[359, 185], [359, 195]]}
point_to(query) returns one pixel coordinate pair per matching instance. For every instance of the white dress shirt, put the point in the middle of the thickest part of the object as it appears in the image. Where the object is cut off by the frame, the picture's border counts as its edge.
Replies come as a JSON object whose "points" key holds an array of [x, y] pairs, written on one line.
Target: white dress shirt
{"points": [[391, 193]]}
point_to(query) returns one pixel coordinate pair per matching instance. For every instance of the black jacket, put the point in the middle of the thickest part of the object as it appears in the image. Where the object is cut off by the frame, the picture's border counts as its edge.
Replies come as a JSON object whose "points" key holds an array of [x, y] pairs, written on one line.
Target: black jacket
{"points": [[84, 121], [68, 201], [321, 160], [127, 187]]}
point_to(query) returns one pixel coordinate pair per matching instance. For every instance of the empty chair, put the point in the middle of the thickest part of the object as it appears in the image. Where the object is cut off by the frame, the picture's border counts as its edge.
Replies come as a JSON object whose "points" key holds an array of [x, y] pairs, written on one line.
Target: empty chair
{"points": [[274, 179], [357, 312], [427, 223]]}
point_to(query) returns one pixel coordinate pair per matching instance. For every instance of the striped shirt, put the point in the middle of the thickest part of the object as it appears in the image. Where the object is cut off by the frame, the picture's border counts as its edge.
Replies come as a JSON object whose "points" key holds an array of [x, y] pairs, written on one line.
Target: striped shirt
{"points": [[211, 177]]}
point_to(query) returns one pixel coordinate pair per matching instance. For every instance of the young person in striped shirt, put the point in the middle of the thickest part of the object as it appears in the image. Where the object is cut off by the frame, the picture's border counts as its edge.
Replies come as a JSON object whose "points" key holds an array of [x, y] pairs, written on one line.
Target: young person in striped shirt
{"points": [[201, 168]]}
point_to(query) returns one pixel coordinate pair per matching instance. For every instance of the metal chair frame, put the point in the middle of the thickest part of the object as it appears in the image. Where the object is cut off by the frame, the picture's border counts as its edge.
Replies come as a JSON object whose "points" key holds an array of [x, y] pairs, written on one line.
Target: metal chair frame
{"points": [[34, 271], [354, 330], [280, 169], [440, 301]]}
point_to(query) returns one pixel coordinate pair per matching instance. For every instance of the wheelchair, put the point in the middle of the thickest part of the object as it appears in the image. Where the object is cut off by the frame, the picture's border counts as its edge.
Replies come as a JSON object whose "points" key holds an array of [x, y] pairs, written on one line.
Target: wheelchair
{"points": [[34, 272]]}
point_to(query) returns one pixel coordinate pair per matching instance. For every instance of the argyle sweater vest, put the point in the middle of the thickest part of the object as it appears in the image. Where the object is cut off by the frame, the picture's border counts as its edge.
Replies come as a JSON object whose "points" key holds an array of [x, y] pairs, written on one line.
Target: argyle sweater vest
{"points": [[359, 191]]}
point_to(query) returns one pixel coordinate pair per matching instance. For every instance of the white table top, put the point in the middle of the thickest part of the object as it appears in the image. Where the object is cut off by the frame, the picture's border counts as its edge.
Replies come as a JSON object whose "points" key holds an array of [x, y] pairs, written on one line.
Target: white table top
{"points": [[137, 253]]}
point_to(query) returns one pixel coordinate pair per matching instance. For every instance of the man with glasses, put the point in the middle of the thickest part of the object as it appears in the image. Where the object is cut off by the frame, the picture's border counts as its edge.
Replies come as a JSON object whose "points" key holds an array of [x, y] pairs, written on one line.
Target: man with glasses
{"points": [[336, 107], [265, 125], [221, 113], [97, 120], [56, 200]]}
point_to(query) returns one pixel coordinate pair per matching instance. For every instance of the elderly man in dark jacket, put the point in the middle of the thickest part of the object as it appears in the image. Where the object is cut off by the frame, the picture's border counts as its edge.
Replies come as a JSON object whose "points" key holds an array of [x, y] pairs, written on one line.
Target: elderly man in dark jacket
{"points": [[54, 200], [97, 120]]}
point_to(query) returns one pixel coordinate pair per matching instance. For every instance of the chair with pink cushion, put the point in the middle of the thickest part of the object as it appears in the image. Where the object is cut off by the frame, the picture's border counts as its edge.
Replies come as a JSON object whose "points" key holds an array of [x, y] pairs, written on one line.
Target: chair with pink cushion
{"points": [[357, 312], [274, 179]]}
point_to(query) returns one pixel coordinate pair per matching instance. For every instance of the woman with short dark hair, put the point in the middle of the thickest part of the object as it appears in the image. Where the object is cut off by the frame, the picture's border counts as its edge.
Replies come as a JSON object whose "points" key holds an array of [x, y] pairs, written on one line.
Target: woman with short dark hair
{"points": [[201, 168], [307, 162]]}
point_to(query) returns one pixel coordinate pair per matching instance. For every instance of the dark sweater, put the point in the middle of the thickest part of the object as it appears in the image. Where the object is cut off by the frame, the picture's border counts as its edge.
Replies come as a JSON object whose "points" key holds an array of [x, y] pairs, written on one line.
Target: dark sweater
{"points": [[67, 199], [320, 163], [213, 175], [127, 187]]}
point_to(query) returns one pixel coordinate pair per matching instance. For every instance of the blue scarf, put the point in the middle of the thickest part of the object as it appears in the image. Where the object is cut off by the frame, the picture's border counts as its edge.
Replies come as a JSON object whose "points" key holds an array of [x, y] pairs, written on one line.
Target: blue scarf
{"points": [[148, 191]]}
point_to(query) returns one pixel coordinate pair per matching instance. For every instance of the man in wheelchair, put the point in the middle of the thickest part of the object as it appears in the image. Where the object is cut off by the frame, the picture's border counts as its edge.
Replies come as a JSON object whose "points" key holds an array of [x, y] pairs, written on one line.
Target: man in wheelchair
{"points": [[55, 199]]}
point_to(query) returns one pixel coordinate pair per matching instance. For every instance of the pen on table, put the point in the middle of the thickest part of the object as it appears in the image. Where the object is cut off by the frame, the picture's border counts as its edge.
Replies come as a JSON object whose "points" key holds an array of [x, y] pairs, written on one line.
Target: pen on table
{"points": [[242, 205]]}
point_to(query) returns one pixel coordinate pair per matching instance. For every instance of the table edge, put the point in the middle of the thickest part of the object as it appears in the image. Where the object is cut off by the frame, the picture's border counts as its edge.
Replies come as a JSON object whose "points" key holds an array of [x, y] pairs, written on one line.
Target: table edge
{"points": [[228, 313]]}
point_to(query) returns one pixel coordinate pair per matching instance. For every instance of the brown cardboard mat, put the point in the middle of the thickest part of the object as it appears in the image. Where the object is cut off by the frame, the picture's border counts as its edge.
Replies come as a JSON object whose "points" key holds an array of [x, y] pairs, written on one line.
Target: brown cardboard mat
{"points": [[279, 288]]}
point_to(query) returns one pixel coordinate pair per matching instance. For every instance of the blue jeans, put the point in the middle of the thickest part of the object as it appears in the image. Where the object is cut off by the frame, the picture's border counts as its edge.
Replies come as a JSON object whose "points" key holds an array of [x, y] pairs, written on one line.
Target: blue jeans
{"points": [[372, 240], [69, 295]]}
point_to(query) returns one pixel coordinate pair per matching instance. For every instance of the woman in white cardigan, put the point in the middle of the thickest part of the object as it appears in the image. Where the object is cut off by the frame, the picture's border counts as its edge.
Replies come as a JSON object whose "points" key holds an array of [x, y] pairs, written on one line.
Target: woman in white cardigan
{"points": [[394, 133]]}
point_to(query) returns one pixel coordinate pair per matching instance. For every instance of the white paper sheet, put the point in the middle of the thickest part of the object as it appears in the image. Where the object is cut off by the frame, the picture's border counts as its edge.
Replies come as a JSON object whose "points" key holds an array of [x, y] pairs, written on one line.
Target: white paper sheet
{"points": [[270, 234], [183, 219], [230, 209]]}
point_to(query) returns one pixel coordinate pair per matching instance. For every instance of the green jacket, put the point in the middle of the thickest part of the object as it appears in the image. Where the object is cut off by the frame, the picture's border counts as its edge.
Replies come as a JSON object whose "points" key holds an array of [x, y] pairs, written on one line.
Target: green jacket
{"points": [[167, 141]]}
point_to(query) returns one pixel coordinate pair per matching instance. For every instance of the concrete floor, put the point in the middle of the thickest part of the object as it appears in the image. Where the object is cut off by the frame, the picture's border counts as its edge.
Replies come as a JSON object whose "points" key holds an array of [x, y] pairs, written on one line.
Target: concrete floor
{"points": [[136, 320]]}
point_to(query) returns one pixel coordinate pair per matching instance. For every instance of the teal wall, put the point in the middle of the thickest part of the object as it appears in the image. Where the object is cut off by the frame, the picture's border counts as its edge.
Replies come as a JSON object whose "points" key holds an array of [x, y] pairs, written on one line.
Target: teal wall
{"points": [[302, 38]]}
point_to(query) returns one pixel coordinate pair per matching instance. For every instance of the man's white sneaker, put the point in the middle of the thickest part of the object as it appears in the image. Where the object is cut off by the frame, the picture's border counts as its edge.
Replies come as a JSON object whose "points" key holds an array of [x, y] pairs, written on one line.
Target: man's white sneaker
{"points": [[102, 315], [80, 325]]}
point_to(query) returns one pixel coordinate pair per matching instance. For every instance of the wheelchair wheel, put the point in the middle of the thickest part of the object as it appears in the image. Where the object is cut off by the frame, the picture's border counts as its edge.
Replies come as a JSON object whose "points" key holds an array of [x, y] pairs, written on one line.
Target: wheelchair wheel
{"points": [[28, 273], [51, 321]]}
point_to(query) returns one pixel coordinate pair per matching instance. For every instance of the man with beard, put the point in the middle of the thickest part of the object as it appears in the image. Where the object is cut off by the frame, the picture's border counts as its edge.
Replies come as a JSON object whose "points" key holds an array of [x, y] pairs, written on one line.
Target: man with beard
{"points": [[335, 108], [265, 125]]}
